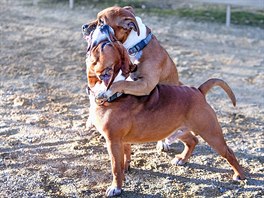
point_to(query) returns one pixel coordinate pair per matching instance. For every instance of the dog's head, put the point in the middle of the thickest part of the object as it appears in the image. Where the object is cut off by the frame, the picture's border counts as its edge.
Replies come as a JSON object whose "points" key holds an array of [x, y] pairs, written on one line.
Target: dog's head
{"points": [[114, 23], [108, 62]]}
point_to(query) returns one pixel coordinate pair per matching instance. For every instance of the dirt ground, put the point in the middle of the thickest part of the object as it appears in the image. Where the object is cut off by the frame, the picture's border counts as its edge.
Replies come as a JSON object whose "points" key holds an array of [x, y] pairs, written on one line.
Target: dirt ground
{"points": [[45, 150]]}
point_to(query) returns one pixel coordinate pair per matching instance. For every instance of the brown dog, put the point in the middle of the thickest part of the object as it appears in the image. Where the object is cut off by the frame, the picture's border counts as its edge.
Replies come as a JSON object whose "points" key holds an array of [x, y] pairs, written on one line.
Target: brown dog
{"points": [[136, 119], [154, 66]]}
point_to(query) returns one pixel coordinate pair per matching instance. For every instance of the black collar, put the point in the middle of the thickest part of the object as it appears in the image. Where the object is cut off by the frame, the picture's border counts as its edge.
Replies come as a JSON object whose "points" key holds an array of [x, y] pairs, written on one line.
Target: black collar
{"points": [[139, 46], [113, 97]]}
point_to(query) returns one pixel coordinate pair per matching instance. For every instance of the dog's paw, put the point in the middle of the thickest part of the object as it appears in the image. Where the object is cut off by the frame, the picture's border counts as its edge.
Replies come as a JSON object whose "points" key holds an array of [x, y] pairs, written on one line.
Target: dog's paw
{"points": [[101, 98], [113, 191], [104, 94], [101, 95], [162, 146], [178, 161]]}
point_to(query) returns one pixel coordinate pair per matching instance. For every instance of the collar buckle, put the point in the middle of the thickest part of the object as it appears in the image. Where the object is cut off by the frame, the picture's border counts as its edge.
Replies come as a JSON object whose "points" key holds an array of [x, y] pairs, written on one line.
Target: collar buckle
{"points": [[140, 46], [113, 97]]}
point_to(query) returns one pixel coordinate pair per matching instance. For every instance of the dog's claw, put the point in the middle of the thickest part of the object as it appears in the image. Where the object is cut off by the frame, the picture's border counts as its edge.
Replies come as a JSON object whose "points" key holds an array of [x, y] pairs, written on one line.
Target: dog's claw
{"points": [[113, 191], [101, 96]]}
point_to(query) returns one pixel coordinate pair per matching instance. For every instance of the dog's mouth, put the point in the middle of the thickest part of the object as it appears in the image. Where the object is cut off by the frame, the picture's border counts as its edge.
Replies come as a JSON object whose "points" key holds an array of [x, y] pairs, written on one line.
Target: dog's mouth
{"points": [[105, 79], [106, 76]]}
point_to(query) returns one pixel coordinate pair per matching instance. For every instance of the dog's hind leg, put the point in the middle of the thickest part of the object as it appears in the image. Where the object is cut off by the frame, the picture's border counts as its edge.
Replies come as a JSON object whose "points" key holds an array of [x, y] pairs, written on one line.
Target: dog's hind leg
{"points": [[219, 145], [189, 142], [165, 146], [162, 146], [127, 156], [212, 133]]}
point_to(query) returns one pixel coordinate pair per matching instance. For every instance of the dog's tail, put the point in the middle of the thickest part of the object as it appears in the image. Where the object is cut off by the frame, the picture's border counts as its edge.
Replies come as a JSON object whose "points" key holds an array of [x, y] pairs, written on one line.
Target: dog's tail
{"points": [[209, 84]]}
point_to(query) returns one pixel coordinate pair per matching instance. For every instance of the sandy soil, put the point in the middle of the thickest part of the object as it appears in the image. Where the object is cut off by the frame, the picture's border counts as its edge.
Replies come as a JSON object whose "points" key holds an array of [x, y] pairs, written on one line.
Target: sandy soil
{"points": [[45, 150]]}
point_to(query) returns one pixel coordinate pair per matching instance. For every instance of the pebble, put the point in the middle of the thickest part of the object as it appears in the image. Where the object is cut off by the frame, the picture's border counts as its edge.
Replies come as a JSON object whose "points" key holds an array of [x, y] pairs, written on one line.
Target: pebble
{"points": [[19, 101], [32, 119]]}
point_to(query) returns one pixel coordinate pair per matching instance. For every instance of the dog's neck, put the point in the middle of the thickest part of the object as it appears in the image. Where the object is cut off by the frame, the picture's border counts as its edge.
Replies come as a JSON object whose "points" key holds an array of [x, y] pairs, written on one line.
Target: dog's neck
{"points": [[133, 38]]}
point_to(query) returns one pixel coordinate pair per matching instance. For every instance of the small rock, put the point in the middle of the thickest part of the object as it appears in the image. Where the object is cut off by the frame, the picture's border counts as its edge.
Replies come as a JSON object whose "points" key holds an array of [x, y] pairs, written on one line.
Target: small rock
{"points": [[32, 119], [19, 101]]}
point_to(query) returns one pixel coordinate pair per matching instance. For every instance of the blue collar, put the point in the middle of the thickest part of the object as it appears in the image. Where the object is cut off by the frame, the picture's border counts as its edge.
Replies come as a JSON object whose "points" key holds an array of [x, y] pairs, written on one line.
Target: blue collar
{"points": [[139, 46], [113, 97]]}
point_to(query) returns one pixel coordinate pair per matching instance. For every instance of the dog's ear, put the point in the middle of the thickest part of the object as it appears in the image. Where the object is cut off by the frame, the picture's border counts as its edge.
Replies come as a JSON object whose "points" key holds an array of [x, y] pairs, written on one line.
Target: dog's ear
{"points": [[130, 9], [130, 23], [91, 77], [126, 64], [132, 67]]}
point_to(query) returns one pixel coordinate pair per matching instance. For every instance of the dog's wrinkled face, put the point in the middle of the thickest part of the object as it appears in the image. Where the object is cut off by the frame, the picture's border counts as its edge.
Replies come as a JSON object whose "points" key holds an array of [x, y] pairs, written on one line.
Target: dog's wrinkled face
{"points": [[121, 20], [114, 23], [107, 63]]}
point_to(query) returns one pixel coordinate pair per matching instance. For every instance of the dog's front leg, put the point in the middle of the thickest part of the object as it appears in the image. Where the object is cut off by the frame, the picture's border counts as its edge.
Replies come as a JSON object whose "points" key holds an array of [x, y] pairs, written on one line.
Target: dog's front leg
{"points": [[116, 153], [89, 123]]}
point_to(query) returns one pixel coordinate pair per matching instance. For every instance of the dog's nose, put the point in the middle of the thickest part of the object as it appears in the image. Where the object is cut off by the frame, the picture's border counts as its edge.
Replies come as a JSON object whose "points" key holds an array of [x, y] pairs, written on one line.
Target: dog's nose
{"points": [[84, 27]]}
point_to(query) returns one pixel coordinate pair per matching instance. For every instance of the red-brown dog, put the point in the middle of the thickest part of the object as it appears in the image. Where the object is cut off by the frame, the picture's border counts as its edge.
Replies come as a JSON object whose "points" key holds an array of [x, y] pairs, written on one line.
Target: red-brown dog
{"points": [[136, 119], [154, 66]]}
